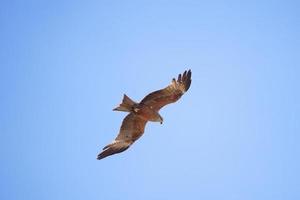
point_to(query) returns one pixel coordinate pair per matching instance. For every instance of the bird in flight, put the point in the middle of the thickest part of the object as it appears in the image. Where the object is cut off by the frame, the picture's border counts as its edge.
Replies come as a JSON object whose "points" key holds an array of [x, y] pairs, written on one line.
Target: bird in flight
{"points": [[134, 123]]}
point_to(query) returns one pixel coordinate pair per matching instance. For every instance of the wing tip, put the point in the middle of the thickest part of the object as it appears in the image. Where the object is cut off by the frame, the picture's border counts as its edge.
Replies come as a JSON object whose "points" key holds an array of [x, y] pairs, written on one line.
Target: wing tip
{"points": [[99, 157], [113, 148], [185, 79]]}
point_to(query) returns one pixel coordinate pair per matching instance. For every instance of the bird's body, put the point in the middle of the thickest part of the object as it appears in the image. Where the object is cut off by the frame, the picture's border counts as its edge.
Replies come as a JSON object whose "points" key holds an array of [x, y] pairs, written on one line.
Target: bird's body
{"points": [[134, 123], [147, 113]]}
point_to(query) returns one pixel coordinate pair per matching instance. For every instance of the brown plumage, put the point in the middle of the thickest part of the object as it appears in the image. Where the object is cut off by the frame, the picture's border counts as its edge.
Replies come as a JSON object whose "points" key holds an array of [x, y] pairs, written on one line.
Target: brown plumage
{"points": [[134, 123]]}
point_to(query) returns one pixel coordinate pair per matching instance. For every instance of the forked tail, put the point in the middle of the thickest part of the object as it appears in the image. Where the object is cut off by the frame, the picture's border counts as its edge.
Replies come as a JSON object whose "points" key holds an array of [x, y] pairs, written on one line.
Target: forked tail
{"points": [[126, 105]]}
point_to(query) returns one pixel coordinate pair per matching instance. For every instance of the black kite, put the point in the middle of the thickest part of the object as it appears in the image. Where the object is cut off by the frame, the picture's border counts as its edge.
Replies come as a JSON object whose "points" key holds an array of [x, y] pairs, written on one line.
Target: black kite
{"points": [[133, 125]]}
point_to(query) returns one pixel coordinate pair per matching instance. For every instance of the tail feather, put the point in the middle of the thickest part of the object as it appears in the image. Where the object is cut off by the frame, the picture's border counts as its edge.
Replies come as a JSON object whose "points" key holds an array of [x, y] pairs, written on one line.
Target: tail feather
{"points": [[126, 104]]}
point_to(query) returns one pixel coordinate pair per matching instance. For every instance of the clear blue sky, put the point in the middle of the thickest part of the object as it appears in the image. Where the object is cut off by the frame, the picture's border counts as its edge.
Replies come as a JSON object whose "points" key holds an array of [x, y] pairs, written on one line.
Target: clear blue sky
{"points": [[66, 64]]}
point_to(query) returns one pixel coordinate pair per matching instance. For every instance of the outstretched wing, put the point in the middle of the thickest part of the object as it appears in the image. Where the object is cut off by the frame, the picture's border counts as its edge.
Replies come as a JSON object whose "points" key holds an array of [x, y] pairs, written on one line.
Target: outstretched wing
{"points": [[131, 129], [156, 100]]}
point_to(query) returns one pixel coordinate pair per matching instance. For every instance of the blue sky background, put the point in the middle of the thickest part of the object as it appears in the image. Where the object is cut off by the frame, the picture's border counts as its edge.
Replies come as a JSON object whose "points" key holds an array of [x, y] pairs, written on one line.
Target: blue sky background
{"points": [[66, 64]]}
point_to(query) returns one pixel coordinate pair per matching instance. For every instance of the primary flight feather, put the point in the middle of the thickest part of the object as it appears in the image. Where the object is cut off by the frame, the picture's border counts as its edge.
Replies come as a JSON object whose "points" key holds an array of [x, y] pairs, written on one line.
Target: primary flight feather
{"points": [[134, 123]]}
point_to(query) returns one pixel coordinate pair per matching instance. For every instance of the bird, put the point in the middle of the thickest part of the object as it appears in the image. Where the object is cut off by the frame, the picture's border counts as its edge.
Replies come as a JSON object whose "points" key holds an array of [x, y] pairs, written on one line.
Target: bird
{"points": [[147, 109]]}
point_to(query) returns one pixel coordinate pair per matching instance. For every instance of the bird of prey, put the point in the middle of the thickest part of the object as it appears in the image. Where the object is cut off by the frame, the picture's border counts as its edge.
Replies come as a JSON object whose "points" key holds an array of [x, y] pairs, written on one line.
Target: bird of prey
{"points": [[133, 125]]}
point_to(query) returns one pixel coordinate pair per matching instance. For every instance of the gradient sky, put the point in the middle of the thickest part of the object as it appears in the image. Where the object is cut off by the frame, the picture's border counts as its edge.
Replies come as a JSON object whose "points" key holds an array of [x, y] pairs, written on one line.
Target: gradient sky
{"points": [[233, 136]]}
